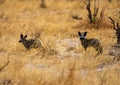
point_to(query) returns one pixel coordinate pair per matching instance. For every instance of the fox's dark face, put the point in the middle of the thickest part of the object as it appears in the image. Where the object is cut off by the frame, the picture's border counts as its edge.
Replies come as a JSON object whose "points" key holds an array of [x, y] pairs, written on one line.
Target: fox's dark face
{"points": [[82, 35], [22, 38]]}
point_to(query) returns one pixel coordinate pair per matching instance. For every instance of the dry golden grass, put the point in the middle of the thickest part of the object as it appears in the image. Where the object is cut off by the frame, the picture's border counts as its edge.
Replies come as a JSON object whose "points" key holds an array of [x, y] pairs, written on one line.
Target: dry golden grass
{"points": [[63, 62]]}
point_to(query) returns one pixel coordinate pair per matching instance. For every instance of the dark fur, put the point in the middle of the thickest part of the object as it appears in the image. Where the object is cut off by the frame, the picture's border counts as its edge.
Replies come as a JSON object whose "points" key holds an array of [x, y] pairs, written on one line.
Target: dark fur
{"points": [[90, 43], [31, 43]]}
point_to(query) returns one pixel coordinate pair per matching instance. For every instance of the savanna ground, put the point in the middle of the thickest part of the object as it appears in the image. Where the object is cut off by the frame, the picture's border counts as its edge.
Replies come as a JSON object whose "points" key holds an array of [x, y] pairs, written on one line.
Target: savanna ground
{"points": [[64, 61]]}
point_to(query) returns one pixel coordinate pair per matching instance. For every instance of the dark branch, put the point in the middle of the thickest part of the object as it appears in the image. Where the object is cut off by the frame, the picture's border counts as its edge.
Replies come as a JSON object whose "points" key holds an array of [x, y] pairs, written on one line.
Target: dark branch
{"points": [[117, 28], [4, 66], [113, 22], [117, 25], [96, 8], [89, 11], [43, 5]]}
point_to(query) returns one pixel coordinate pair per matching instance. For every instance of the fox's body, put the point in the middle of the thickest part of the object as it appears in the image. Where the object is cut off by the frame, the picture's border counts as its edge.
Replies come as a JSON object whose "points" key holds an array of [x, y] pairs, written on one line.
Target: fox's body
{"points": [[92, 42], [31, 43]]}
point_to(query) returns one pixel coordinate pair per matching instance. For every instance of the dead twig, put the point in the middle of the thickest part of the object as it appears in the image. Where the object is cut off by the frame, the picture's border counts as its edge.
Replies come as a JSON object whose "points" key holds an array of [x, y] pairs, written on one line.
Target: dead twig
{"points": [[94, 19], [4, 65], [116, 28], [43, 4]]}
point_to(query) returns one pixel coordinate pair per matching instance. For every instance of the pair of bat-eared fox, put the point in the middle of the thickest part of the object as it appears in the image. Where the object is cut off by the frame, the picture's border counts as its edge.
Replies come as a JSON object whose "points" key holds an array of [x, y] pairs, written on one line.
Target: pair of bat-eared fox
{"points": [[92, 42]]}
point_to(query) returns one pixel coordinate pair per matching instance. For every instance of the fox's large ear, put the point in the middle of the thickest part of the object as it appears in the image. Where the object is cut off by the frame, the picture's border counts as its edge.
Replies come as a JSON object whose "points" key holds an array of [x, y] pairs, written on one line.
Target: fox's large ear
{"points": [[21, 36], [79, 33], [85, 33], [25, 36]]}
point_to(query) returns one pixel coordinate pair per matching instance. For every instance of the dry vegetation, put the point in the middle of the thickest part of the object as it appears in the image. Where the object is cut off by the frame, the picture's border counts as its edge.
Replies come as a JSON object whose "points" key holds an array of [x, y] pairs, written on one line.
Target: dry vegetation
{"points": [[63, 60]]}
